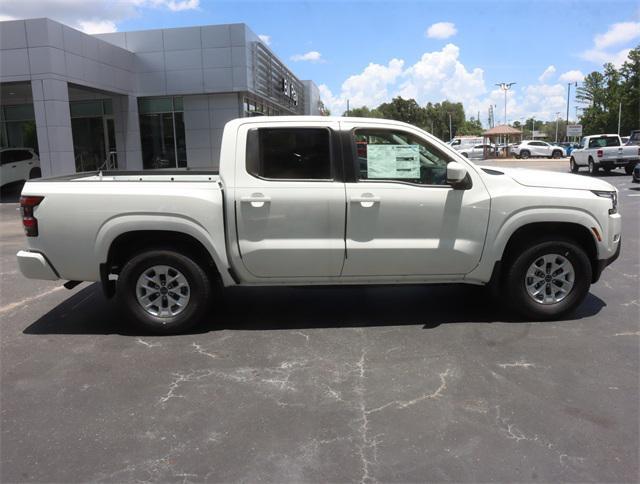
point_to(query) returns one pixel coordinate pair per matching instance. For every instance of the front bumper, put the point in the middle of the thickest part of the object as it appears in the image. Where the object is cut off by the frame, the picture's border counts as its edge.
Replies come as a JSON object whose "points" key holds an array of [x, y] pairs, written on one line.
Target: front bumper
{"points": [[602, 263], [35, 265]]}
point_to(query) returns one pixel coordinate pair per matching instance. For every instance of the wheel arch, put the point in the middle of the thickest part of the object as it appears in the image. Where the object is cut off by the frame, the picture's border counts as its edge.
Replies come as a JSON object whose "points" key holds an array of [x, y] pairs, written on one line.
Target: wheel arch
{"points": [[121, 238], [575, 231]]}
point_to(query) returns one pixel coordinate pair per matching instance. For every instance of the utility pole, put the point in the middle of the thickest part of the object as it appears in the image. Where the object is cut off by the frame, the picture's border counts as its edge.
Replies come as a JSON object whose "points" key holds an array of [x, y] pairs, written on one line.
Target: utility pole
{"points": [[619, 116], [557, 119], [505, 86], [450, 132], [568, 94], [347, 108], [533, 128]]}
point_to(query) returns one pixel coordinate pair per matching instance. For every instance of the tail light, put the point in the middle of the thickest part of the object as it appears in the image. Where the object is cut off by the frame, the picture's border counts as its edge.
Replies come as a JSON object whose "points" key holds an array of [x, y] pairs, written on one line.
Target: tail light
{"points": [[600, 153], [29, 222]]}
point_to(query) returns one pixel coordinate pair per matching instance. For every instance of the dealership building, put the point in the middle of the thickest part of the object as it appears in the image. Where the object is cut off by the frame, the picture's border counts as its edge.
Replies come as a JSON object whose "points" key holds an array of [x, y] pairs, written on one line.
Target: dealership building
{"points": [[136, 100]]}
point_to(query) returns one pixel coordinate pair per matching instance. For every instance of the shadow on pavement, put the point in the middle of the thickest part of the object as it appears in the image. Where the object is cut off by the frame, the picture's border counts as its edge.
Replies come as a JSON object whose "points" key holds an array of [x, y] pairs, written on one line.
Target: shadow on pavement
{"points": [[88, 312]]}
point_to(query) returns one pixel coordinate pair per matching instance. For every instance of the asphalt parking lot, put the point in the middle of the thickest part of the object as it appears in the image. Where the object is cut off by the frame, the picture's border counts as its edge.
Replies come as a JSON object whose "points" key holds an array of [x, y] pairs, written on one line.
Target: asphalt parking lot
{"points": [[389, 384]]}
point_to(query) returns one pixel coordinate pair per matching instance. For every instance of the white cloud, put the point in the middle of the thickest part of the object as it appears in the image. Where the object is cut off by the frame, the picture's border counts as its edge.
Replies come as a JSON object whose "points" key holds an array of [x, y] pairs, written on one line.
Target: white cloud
{"points": [[441, 30], [617, 34], [439, 76], [266, 39], [572, 76], [98, 27], [602, 57], [89, 15], [311, 56], [548, 72]]}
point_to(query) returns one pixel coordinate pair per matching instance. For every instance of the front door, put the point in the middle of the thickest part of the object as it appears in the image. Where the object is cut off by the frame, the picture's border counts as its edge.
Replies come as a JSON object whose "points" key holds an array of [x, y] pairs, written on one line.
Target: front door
{"points": [[402, 216], [94, 143], [290, 202]]}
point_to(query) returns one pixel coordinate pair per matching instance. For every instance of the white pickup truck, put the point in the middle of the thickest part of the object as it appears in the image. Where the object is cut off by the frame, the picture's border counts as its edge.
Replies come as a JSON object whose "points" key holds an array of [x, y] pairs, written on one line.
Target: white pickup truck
{"points": [[604, 151], [321, 201]]}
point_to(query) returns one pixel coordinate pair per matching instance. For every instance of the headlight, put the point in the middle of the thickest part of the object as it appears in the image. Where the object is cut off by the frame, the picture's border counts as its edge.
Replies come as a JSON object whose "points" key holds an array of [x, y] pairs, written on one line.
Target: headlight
{"points": [[612, 195]]}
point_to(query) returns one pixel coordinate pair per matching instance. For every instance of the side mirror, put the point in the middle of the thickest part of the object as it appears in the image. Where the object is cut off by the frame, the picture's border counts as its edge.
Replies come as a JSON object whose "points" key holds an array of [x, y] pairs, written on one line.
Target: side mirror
{"points": [[457, 176]]}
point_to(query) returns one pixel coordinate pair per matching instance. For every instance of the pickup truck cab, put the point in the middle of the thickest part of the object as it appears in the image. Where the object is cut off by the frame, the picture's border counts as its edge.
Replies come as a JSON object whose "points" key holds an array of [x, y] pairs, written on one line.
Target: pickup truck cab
{"points": [[604, 151], [321, 201]]}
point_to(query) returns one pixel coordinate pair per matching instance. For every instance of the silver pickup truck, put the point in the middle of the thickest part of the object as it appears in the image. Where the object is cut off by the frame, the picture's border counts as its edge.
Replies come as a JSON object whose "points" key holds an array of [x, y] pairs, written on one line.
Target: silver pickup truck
{"points": [[604, 151]]}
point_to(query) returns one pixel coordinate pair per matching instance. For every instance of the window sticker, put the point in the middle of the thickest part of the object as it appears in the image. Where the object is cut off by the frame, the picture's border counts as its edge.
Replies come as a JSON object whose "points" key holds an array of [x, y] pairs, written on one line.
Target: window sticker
{"points": [[393, 161]]}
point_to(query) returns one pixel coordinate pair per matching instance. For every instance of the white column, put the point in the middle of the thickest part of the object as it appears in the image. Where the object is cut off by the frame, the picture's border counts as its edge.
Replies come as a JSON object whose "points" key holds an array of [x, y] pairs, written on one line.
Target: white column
{"points": [[53, 125], [132, 146]]}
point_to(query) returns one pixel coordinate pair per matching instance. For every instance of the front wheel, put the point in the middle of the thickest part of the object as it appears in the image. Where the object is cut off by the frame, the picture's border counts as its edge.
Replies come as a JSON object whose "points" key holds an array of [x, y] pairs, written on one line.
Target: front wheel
{"points": [[556, 154], [548, 279], [163, 291], [629, 169]]}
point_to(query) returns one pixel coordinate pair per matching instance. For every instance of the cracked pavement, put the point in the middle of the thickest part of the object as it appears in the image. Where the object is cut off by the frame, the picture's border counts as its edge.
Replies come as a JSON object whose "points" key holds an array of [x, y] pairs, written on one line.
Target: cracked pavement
{"points": [[384, 384]]}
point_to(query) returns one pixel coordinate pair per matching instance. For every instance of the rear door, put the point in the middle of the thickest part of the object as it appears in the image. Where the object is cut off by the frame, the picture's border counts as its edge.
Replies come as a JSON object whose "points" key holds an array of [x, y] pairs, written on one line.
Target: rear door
{"points": [[290, 200]]}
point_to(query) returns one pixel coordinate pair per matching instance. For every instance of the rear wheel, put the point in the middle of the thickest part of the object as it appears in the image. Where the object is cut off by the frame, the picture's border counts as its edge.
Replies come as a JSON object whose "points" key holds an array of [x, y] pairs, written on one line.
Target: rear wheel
{"points": [[593, 169], [572, 165], [163, 291], [629, 169], [548, 279], [525, 154]]}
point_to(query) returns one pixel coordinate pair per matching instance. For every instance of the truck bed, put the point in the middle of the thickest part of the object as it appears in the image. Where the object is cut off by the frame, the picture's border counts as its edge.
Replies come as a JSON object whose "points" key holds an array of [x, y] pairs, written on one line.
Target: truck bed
{"points": [[143, 175]]}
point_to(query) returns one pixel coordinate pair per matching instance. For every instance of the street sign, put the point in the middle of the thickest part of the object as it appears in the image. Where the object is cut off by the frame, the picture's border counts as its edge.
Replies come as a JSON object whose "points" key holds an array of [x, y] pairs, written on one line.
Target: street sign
{"points": [[574, 130], [538, 134]]}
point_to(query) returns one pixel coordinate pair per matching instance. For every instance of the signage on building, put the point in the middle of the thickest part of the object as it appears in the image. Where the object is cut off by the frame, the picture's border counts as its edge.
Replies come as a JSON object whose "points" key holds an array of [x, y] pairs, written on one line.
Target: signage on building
{"points": [[289, 90], [574, 130]]}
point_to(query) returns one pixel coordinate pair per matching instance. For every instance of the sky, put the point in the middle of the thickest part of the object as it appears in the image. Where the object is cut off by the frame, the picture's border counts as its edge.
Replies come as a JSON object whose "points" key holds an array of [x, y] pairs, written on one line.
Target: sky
{"points": [[368, 52]]}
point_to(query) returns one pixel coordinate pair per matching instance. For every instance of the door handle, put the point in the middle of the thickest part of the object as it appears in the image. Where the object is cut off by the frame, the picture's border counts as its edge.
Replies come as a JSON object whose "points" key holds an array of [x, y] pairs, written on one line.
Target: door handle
{"points": [[256, 200], [13, 166], [366, 200]]}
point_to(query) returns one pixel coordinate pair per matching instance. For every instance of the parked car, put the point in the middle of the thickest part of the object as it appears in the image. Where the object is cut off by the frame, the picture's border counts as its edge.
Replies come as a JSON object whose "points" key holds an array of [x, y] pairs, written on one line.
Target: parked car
{"points": [[477, 152], [286, 208], [528, 148], [18, 164], [634, 138], [604, 151], [462, 142], [635, 176], [568, 147]]}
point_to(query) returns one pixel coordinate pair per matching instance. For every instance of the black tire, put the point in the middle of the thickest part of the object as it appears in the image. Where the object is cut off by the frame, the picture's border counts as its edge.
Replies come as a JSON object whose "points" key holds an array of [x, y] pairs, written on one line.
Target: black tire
{"points": [[572, 166], [524, 154], [515, 278], [556, 154], [466, 155], [199, 289], [629, 168], [35, 173], [593, 168]]}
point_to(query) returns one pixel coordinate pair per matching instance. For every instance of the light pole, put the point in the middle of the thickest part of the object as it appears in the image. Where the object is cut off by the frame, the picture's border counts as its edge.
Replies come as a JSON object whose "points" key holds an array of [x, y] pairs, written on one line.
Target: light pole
{"points": [[557, 118], [568, 93], [450, 132], [505, 86]]}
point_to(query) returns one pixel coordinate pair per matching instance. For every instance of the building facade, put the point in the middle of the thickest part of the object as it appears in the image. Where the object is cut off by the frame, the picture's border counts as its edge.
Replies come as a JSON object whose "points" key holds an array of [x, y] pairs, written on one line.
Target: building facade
{"points": [[136, 100]]}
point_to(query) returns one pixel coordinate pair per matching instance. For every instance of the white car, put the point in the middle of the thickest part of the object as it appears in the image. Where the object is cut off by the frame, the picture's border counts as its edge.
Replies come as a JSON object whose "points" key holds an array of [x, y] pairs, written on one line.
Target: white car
{"points": [[477, 152], [18, 164], [304, 200], [604, 151], [528, 148]]}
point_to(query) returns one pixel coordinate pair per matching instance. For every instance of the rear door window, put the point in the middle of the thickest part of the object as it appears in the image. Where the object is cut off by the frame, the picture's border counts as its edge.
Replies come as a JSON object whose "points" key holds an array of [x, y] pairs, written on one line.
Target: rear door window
{"points": [[289, 153]]}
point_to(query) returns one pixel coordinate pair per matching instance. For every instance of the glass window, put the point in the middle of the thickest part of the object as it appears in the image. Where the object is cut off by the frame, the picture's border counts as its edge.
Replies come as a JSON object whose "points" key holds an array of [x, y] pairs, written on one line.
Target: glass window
{"points": [[604, 141], [289, 153], [162, 132], [400, 156]]}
